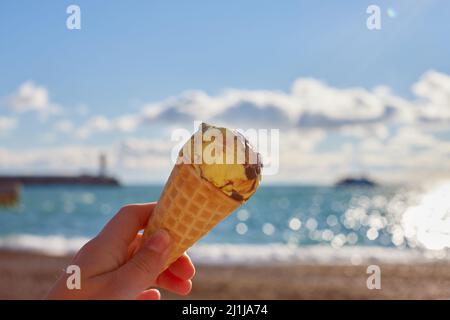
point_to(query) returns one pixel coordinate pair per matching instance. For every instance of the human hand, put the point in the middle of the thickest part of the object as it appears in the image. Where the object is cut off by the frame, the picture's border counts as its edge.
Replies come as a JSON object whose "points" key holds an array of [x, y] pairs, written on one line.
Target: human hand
{"points": [[114, 265]]}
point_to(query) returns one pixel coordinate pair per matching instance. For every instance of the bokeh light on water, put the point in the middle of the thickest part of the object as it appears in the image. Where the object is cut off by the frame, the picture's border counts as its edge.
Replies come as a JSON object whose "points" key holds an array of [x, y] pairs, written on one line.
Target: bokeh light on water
{"points": [[427, 224], [402, 217]]}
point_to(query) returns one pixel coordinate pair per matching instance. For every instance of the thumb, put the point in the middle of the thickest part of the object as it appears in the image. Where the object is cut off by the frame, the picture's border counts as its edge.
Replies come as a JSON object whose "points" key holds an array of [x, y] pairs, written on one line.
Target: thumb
{"points": [[141, 271]]}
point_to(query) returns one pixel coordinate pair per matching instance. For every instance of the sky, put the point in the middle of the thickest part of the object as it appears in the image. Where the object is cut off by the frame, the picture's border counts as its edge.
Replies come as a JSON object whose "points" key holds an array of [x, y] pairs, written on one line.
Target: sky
{"points": [[346, 99]]}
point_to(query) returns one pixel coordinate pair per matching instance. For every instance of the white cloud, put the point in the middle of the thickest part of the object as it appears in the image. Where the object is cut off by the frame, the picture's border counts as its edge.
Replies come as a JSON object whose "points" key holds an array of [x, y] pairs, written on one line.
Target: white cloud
{"points": [[299, 141], [262, 107], [145, 159], [30, 97], [412, 137], [66, 159], [309, 104], [434, 91], [7, 124], [327, 106], [93, 125], [96, 124], [140, 147], [377, 130], [127, 123], [64, 126]]}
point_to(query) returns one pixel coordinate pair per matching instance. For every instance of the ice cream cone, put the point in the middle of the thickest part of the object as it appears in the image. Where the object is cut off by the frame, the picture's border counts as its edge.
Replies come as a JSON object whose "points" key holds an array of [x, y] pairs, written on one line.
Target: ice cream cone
{"points": [[199, 192], [188, 208]]}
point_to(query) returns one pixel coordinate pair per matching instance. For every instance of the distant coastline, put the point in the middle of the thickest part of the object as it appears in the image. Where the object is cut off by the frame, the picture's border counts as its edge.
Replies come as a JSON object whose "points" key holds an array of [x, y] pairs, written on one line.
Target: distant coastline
{"points": [[59, 180]]}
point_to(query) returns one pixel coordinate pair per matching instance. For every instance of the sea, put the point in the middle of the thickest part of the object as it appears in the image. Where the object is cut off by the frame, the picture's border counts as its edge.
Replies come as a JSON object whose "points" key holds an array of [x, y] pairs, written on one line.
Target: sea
{"points": [[279, 224]]}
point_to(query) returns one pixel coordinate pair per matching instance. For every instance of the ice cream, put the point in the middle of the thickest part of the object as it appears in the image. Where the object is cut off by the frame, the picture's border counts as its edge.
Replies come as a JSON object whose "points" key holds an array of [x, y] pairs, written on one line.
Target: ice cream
{"points": [[239, 175], [202, 189]]}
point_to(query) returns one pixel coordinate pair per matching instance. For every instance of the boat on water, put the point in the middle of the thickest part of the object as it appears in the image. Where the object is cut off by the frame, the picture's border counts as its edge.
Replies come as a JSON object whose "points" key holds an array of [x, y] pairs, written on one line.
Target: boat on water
{"points": [[356, 182]]}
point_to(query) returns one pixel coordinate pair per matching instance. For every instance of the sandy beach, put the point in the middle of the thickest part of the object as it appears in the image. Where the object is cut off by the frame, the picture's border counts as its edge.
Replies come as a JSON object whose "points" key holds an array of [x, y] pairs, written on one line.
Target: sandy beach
{"points": [[25, 275]]}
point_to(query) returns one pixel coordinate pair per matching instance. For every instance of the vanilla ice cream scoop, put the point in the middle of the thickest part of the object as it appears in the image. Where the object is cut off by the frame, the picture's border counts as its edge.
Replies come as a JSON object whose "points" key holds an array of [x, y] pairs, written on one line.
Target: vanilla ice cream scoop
{"points": [[226, 159]]}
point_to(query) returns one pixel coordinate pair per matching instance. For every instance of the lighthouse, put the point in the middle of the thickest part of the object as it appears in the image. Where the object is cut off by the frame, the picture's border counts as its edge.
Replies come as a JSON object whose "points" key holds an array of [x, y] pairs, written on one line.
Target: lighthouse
{"points": [[102, 165]]}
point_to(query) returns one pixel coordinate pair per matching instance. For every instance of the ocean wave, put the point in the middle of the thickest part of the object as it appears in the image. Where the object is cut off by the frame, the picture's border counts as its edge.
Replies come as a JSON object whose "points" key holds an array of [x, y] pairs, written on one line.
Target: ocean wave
{"points": [[243, 254], [55, 245], [312, 254]]}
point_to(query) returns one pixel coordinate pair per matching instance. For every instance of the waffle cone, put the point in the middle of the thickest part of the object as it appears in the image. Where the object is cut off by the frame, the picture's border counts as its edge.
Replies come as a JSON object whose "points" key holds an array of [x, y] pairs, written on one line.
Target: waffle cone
{"points": [[188, 208]]}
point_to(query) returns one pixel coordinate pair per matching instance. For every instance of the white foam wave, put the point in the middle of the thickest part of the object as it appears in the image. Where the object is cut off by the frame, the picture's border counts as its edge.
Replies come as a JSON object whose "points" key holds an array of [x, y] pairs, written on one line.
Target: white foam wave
{"points": [[314, 254], [245, 254], [51, 245]]}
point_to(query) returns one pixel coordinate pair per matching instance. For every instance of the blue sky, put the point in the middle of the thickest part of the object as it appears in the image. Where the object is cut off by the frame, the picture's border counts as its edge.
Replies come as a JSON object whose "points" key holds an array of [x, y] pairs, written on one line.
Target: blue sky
{"points": [[149, 50], [131, 54]]}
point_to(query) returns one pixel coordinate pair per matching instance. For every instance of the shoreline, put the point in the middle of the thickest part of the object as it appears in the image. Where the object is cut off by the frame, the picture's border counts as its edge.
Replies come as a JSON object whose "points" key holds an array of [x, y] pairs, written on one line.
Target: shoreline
{"points": [[29, 275], [213, 254]]}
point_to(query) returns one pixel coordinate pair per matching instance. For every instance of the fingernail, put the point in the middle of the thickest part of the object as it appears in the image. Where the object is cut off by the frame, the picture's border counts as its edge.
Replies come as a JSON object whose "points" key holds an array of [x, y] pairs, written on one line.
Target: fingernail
{"points": [[158, 241]]}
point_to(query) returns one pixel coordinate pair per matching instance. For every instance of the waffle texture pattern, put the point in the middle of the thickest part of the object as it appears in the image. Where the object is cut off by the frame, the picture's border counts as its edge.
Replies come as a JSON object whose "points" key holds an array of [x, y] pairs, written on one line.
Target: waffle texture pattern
{"points": [[188, 208]]}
